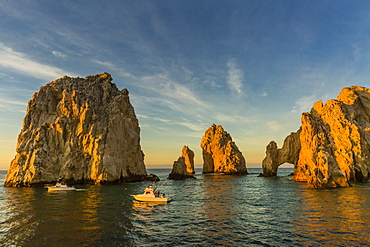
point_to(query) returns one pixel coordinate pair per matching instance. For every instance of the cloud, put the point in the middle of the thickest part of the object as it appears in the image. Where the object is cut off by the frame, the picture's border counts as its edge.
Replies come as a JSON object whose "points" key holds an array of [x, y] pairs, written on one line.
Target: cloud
{"points": [[13, 102], [167, 88], [195, 127], [274, 125], [235, 77], [304, 104], [24, 65], [112, 67], [162, 120], [211, 82], [141, 116], [224, 118], [58, 54]]}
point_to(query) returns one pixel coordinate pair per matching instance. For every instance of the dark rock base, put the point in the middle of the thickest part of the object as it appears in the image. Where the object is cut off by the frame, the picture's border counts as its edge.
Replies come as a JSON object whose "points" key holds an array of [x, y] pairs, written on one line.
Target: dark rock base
{"points": [[175, 176]]}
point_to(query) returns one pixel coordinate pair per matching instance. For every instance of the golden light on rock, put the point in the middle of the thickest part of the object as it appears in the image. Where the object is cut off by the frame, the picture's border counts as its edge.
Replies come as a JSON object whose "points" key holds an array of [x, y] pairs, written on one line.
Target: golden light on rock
{"points": [[333, 144], [220, 153], [80, 129]]}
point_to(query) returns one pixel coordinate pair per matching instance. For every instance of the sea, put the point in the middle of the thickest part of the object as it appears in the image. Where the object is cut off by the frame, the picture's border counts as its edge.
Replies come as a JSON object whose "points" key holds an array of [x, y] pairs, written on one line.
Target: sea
{"points": [[211, 210]]}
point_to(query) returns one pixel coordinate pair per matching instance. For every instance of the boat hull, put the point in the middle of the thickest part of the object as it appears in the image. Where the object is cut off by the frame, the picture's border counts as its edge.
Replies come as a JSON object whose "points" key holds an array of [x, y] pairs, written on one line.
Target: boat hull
{"points": [[144, 198], [59, 188]]}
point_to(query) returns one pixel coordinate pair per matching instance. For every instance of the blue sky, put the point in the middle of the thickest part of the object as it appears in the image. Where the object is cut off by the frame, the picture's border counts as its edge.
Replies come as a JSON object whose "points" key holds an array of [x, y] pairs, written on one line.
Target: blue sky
{"points": [[251, 66]]}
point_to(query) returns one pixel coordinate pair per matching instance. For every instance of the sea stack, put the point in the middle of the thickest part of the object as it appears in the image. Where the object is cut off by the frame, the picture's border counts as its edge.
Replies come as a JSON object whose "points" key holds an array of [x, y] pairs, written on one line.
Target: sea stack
{"points": [[334, 142], [183, 168], [83, 130], [220, 153]]}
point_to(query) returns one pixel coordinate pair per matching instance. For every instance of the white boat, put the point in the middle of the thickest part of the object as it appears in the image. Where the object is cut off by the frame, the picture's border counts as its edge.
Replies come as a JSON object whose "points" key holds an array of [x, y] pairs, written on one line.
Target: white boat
{"points": [[60, 186], [150, 195]]}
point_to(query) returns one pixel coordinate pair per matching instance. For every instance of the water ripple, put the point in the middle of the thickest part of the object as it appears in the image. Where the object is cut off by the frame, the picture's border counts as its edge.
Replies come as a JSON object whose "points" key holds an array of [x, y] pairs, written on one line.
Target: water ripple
{"points": [[207, 211]]}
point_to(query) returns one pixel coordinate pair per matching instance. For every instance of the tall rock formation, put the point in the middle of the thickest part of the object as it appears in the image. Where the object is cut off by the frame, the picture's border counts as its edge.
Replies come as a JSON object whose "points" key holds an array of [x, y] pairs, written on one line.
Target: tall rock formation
{"points": [[334, 141], [220, 153], [184, 167], [79, 129]]}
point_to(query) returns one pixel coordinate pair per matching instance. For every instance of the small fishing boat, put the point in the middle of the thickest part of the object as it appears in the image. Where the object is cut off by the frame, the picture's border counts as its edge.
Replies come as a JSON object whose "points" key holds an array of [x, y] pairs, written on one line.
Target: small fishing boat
{"points": [[60, 186], [151, 195]]}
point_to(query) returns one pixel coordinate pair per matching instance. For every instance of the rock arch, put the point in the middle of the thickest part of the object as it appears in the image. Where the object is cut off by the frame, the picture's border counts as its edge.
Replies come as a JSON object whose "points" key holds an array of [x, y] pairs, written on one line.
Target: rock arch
{"points": [[275, 156], [333, 147]]}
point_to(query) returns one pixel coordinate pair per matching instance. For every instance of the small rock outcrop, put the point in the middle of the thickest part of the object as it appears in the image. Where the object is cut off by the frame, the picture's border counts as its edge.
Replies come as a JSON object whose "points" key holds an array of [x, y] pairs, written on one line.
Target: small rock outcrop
{"points": [[83, 130], [183, 168], [334, 142], [220, 153]]}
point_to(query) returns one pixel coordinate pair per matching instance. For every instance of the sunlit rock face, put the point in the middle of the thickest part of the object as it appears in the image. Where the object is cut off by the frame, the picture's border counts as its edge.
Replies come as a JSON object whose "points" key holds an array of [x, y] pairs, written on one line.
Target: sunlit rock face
{"points": [[183, 168], [220, 153], [80, 129], [275, 156], [334, 141]]}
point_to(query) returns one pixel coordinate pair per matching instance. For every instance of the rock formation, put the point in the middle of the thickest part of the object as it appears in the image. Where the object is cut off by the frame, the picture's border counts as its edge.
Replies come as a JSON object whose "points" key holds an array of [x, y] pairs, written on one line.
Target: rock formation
{"points": [[275, 156], [334, 142], [80, 129], [220, 153], [183, 168]]}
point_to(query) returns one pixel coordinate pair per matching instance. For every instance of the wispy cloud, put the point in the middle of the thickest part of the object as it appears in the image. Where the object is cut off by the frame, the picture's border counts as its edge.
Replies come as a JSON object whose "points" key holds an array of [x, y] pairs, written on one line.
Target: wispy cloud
{"points": [[58, 54], [170, 89], [193, 126], [235, 77], [21, 63], [228, 118], [142, 116], [274, 125], [12, 102], [162, 120], [304, 104], [112, 67]]}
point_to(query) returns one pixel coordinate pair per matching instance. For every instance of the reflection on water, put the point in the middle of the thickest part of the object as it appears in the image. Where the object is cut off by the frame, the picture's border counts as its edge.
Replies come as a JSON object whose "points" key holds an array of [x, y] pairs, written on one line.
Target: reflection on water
{"points": [[325, 214], [146, 206], [99, 215], [219, 209], [17, 216], [34, 216], [209, 211]]}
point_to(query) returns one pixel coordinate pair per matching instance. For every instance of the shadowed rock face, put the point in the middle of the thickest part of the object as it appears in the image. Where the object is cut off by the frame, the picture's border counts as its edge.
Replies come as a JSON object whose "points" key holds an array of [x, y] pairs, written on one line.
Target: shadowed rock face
{"points": [[184, 167], [80, 129], [220, 153], [334, 141]]}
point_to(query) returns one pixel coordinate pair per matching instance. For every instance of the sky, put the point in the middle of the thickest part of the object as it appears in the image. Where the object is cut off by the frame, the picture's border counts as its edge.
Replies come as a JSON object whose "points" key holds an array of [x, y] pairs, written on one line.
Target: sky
{"points": [[251, 66]]}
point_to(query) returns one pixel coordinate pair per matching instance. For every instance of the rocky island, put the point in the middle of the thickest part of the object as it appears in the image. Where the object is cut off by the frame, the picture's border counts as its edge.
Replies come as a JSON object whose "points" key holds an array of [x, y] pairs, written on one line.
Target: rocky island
{"points": [[332, 147], [83, 130], [220, 153], [183, 168]]}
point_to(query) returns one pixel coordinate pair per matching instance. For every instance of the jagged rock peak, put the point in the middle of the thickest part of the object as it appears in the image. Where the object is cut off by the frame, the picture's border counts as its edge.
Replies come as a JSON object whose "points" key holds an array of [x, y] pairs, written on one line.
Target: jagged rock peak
{"points": [[220, 153], [184, 167], [79, 129], [334, 142]]}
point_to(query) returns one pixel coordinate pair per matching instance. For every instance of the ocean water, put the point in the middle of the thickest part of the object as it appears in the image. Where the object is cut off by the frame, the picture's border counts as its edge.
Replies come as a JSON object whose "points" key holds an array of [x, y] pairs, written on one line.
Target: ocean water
{"points": [[212, 210]]}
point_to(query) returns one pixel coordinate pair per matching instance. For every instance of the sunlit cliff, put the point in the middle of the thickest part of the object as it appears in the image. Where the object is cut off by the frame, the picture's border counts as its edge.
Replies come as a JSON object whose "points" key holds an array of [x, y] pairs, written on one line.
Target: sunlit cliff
{"points": [[332, 147], [81, 130]]}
